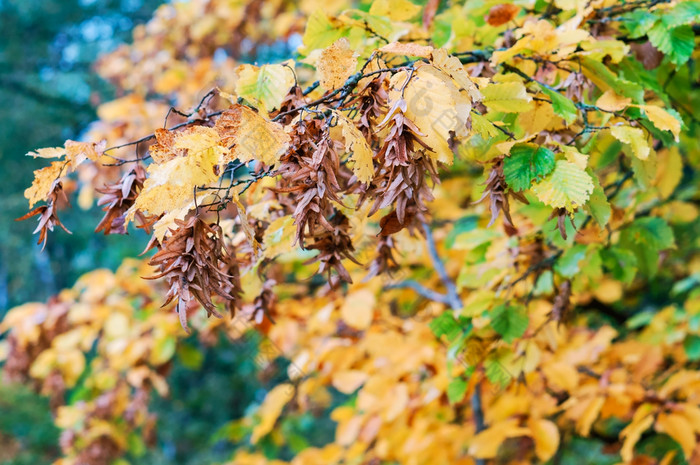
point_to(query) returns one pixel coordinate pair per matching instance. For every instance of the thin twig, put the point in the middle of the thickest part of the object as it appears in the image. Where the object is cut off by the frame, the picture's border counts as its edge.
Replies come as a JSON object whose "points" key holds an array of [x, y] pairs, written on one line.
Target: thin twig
{"points": [[420, 290], [453, 297]]}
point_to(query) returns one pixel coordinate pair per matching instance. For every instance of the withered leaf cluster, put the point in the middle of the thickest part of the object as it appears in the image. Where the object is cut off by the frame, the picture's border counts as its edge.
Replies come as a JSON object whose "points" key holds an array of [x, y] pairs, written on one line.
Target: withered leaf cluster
{"points": [[118, 198], [195, 262], [402, 172], [48, 214], [497, 191]]}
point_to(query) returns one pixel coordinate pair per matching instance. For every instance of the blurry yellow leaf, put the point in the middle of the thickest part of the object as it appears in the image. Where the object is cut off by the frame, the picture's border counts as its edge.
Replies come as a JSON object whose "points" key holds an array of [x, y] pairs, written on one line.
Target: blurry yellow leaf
{"points": [[485, 444], [279, 236], [561, 375], [358, 309], [397, 10], [49, 152], [362, 153], [670, 171], [662, 119], [632, 433], [546, 437], [610, 101], [336, 64], [348, 381], [271, 409], [634, 137], [408, 49], [585, 421], [679, 428], [507, 97], [265, 86]]}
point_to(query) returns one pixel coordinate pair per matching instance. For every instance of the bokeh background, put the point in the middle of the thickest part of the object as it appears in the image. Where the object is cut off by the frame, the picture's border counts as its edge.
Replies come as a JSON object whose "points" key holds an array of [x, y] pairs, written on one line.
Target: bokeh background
{"points": [[48, 93]]}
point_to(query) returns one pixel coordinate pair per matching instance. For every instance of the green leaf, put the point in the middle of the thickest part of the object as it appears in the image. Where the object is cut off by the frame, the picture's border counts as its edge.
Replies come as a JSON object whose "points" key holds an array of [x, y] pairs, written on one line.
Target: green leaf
{"points": [[605, 79], [598, 205], [568, 264], [527, 163], [456, 390], [638, 22], [622, 263], [691, 344], [678, 42], [320, 32], [683, 13], [509, 321], [562, 106], [646, 237], [445, 325]]}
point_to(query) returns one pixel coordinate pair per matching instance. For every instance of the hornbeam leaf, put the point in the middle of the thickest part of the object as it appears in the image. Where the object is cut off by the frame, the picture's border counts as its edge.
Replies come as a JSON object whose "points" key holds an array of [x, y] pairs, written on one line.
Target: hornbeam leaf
{"points": [[634, 137], [336, 64], [435, 105], [662, 119], [265, 86], [509, 321], [562, 105], [508, 97], [568, 186], [251, 136], [356, 143], [397, 10], [527, 163], [678, 42]]}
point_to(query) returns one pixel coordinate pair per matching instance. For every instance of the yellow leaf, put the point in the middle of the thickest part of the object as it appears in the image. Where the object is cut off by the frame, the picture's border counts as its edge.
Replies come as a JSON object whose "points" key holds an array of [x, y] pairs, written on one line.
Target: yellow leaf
{"points": [[49, 152], [348, 381], [568, 186], [546, 437], [508, 97], [271, 409], [408, 49], [245, 224], [170, 186], [358, 309], [561, 375], [662, 119], [265, 86], [670, 171], [435, 105], [634, 137], [632, 433], [356, 143], [252, 136], [279, 236], [77, 152], [679, 428], [451, 66], [198, 139], [43, 182], [692, 413], [585, 421], [485, 444], [610, 101], [336, 64], [397, 10]]}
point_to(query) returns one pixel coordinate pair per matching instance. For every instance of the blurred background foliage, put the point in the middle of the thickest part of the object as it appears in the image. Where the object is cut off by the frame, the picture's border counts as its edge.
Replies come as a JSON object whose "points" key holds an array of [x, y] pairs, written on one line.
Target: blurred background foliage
{"points": [[49, 93]]}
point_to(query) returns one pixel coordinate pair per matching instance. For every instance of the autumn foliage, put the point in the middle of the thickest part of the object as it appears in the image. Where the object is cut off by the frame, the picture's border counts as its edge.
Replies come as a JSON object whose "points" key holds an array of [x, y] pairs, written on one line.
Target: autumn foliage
{"points": [[476, 221]]}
